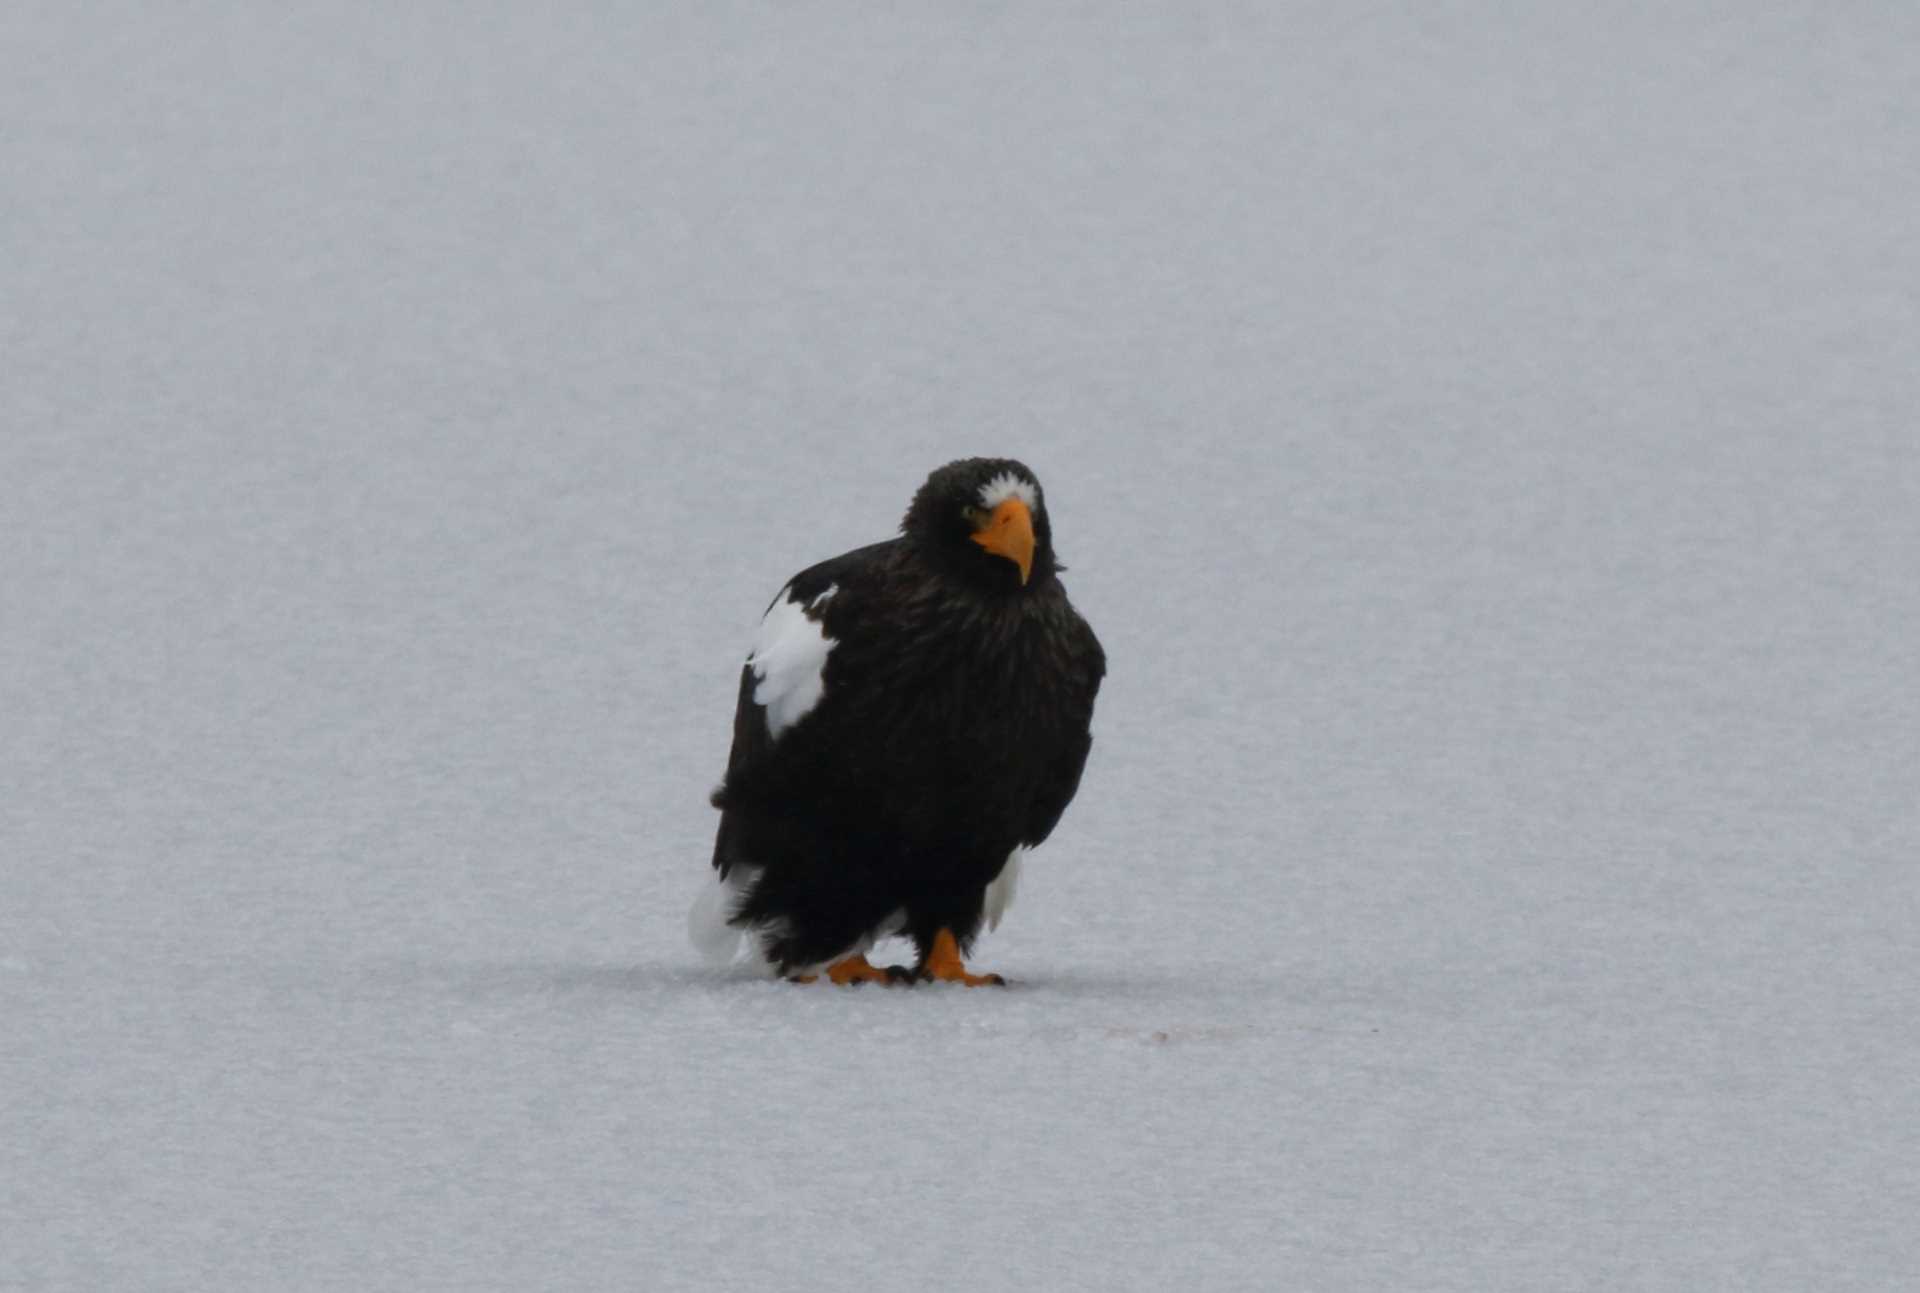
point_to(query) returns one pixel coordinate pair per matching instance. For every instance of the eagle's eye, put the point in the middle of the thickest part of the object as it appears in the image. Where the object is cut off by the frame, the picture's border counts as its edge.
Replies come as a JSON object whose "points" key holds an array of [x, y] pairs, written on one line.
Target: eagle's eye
{"points": [[976, 516]]}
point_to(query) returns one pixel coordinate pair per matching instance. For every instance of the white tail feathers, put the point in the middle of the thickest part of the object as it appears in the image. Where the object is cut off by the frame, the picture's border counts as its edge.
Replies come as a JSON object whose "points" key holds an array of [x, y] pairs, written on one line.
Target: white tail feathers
{"points": [[707, 924]]}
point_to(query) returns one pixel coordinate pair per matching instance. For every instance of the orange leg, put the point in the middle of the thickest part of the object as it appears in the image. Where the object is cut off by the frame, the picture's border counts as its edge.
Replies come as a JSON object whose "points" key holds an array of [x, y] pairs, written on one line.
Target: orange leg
{"points": [[943, 964]]}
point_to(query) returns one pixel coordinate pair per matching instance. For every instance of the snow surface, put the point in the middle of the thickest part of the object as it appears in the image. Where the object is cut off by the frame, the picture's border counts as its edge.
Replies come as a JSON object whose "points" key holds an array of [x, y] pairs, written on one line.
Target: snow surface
{"points": [[1486, 438]]}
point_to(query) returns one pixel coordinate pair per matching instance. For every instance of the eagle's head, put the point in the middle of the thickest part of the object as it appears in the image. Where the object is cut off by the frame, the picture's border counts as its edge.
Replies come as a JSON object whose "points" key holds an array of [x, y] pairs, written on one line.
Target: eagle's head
{"points": [[984, 520]]}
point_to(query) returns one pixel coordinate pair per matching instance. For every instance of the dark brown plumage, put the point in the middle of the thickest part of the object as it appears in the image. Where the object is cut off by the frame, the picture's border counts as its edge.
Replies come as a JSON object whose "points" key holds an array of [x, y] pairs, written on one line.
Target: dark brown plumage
{"points": [[914, 713]]}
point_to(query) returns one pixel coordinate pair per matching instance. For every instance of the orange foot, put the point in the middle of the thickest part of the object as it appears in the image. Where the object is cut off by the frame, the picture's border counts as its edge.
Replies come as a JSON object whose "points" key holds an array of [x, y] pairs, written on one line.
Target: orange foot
{"points": [[857, 969], [943, 965]]}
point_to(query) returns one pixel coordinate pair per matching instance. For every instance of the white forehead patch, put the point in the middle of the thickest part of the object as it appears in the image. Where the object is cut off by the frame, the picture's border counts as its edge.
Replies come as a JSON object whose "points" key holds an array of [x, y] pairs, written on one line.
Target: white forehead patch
{"points": [[1005, 486], [789, 661]]}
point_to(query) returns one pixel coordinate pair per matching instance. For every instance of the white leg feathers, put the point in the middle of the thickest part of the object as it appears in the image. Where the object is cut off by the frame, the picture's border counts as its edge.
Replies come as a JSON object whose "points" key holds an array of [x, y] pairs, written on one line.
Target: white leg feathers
{"points": [[719, 901], [1000, 891]]}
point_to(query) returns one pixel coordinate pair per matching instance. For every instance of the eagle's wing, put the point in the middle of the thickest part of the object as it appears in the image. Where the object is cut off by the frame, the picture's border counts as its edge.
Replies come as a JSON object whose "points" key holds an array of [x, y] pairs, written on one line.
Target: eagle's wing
{"points": [[783, 679], [1083, 664], [784, 676]]}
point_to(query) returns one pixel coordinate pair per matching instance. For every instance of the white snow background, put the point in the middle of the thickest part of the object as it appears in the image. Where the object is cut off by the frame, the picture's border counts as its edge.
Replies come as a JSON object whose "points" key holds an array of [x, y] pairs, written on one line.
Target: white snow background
{"points": [[1486, 438]]}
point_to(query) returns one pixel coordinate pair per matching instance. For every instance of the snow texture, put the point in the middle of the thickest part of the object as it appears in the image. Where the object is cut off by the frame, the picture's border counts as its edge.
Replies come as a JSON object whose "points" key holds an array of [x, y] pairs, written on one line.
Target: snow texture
{"points": [[1485, 437]]}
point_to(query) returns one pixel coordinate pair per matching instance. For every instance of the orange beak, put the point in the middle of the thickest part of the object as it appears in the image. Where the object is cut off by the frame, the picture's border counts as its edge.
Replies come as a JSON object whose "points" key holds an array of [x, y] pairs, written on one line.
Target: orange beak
{"points": [[1008, 533]]}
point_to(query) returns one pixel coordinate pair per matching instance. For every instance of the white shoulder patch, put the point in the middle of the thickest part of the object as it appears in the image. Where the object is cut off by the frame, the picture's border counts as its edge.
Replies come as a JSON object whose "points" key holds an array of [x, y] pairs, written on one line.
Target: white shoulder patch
{"points": [[789, 660], [1005, 486], [1000, 891]]}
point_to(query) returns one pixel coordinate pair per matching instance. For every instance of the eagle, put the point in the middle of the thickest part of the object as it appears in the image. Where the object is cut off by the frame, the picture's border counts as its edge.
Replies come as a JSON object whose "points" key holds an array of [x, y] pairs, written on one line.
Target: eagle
{"points": [[913, 717]]}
